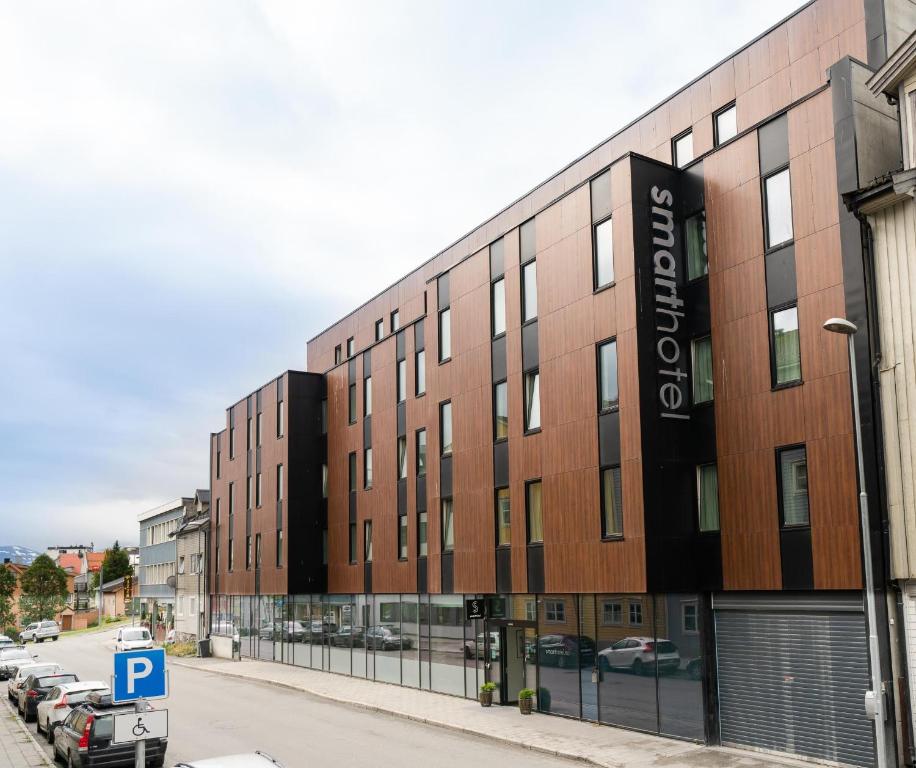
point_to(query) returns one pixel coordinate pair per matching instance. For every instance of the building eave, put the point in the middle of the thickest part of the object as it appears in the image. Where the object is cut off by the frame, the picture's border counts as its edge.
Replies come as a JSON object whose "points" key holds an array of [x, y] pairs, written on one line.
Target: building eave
{"points": [[898, 65]]}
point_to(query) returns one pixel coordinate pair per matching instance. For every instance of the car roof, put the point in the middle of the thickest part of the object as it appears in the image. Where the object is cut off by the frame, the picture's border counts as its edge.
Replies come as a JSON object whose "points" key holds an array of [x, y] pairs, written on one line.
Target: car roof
{"points": [[248, 760]]}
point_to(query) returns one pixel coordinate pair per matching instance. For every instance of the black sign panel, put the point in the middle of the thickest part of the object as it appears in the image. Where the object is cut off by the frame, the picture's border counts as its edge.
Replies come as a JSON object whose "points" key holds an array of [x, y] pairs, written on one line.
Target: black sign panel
{"points": [[475, 609]]}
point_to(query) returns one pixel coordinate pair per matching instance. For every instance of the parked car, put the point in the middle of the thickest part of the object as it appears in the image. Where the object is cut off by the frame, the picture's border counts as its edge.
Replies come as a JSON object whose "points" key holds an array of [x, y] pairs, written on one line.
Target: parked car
{"points": [[6, 642], [133, 639], [35, 688], [60, 701], [386, 639], [11, 658], [566, 650], [639, 655], [346, 634], [250, 760], [38, 668], [477, 648], [39, 631], [83, 738]]}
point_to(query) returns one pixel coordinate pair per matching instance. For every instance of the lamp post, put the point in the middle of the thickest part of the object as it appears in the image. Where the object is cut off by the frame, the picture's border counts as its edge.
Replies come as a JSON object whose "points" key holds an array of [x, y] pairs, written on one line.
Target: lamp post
{"points": [[875, 697]]}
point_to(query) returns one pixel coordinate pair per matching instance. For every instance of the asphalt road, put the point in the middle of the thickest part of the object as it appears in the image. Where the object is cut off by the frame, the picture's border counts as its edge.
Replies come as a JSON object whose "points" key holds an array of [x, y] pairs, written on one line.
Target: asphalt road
{"points": [[213, 715]]}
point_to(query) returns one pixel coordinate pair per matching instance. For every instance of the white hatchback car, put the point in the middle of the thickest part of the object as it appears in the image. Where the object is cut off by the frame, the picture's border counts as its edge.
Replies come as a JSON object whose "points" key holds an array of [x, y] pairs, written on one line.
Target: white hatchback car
{"points": [[37, 668], [640, 656], [39, 631], [60, 700], [133, 639]]}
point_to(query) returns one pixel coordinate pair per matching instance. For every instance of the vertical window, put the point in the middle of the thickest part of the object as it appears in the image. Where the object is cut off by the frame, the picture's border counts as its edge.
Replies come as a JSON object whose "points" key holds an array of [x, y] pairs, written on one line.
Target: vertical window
{"points": [[689, 618], [701, 358], [422, 534], [697, 260], [402, 458], [258, 491], [367, 468], [778, 205], [219, 461], [445, 427], [402, 381], [501, 411], [231, 442], [529, 291], [636, 613], [352, 403], [608, 395], [352, 472], [683, 149], [448, 526], [279, 481], [248, 552], [503, 524], [352, 542], [324, 481], [350, 347], [611, 503], [421, 452], [533, 511], [248, 492], [258, 429], [395, 321], [279, 548], [337, 355], [603, 238], [793, 481], [281, 415], [785, 348], [527, 243], [367, 396], [611, 613], [421, 372], [402, 537], [379, 329], [367, 541], [445, 335], [257, 550], [555, 611], [248, 434], [532, 401], [725, 122], [498, 303], [708, 497]]}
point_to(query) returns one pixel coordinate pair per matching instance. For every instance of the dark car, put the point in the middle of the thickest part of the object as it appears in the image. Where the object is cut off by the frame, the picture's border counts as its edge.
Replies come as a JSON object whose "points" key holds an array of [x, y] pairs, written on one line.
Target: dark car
{"points": [[83, 739], [566, 650], [386, 639], [345, 635], [35, 689]]}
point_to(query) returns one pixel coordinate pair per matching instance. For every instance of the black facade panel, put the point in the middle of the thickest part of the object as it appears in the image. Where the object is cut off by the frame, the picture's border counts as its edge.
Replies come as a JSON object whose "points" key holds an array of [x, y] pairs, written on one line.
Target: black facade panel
{"points": [[367, 577], [367, 363], [773, 144], [796, 557], [780, 266], [530, 359], [352, 509], [399, 344], [402, 419], [448, 573], [445, 477], [696, 296], [443, 292], [421, 493], [609, 439], [367, 432], [422, 578], [497, 259], [499, 359], [402, 496], [418, 336], [501, 464], [351, 371], [535, 561], [503, 570]]}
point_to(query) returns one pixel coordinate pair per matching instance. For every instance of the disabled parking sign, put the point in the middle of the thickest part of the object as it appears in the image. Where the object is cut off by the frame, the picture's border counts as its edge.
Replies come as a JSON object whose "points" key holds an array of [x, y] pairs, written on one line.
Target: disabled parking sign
{"points": [[139, 675]]}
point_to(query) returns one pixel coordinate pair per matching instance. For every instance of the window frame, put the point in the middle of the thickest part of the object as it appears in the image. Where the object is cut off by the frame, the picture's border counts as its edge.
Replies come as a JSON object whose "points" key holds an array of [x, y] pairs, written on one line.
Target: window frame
{"points": [[496, 438], [367, 396], [529, 430], [338, 355], [403, 542], [367, 541], [696, 617], [718, 141], [367, 468], [557, 607], [442, 527], [605, 602], [445, 310], [596, 286], [524, 291], [442, 451], [402, 458], [494, 333], [498, 522], [351, 403], [351, 347], [638, 605], [529, 541], [674, 142], [423, 534], [699, 500], [401, 381], [700, 213], [352, 547], [769, 247], [780, 499], [425, 451], [693, 369], [771, 328], [394, 320], [380, 329], [416, 374], [615, 405], [605, 536]]}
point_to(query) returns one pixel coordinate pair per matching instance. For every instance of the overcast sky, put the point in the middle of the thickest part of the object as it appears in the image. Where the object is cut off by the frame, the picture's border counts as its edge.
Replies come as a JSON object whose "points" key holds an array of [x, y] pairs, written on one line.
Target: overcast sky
{"points": [[190, 191]]}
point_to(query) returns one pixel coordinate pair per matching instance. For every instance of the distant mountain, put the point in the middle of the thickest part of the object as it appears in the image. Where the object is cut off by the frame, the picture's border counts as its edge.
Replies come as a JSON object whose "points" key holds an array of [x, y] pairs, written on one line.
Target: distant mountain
{"points": [[18, 554]]}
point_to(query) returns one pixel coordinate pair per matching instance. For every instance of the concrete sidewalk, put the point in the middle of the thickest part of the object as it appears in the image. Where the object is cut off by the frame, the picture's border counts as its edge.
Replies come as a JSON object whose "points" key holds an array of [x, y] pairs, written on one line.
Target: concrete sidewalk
{"points": [[586, 742], [17, 747]]}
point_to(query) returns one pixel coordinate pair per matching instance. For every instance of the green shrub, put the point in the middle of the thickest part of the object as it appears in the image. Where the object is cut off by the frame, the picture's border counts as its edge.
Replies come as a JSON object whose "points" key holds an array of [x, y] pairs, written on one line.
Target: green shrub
{"points": [[181, 649], [526, 693], [112, 619], [12, 633], [488, 687]]}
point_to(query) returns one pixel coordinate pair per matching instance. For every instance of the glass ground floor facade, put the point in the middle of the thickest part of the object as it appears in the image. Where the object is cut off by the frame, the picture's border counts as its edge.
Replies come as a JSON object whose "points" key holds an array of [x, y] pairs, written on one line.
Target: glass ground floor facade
{"points": [[633, 661]]}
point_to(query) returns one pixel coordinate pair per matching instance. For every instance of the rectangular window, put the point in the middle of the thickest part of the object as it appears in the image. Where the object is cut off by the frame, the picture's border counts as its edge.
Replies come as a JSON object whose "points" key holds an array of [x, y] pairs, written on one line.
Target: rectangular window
{"points": [[603, 239], [367, 396], [611, 613], [352, 470], [279, 481], [683, 149], [379, 329], [219, 461], [257, 491], [445, 427], [367, 541], [689, 618], [350, 347], [445, 335], [611, 503], [402, 458], [503, 526], [367, 468], [231, 554], [785, 348], [701, 360], [352, 404], [636, 613], [529, 291], [421, 372], [555, 611], [726, 124], [402, 537], [498, 303], [448, 526], [402, 381], [532, 401], [248, 492], [324, 481], [281, 417], [422, 534], [352, 542], [257, 551], [778, 205], [697, 260], [248, 552], [258, 426], [248, 435], [280, 548], [708, 497], [395, 321], [534, 512], [608, 395], [793, 482], [338, 357], [501, 411], [421, 452], [527, 242]]}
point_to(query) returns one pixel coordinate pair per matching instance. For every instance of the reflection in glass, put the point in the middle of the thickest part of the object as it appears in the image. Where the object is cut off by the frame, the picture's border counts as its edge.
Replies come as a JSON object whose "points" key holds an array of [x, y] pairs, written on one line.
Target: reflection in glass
{"points": [[680, 684], [447, 645], [421, 372], [421, 452], [683, 149], [338, 612], [385, 639], [445, 427], [787, 351], [448, 526], [604, 253], [726, 124], [701, 355], [562, 655], [402, 458], [503, 526], [410, 632], [793, 468], [529, 291], [535, 518], [708, 497], [402, 380], [422, 534], [611, 502], [532, 401], [445, 335], [607, 375], [499, 307], [778, 208], [697, 261], [501, 402]]}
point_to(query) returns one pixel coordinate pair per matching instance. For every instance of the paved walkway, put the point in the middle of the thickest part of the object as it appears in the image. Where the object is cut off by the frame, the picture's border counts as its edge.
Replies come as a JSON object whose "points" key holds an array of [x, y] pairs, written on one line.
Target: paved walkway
{"points": [[17, 748], [598, 745]]}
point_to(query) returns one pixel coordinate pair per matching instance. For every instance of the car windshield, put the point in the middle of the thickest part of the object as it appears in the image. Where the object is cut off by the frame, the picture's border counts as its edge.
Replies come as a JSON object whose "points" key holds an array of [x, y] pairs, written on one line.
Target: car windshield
{"points": [[135, 634], [14, 653], [47, 682], [101, 727], [80, 696], [46, 669]]}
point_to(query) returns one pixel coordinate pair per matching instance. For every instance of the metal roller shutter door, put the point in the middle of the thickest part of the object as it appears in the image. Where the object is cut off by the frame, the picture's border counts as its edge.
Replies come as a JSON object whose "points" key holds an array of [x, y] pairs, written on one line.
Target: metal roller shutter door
{"points": [[795, 682]]}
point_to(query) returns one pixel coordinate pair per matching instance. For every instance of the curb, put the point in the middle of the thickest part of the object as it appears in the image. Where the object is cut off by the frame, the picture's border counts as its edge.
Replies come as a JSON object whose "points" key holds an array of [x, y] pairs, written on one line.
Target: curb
{"points": [[24, 729]]}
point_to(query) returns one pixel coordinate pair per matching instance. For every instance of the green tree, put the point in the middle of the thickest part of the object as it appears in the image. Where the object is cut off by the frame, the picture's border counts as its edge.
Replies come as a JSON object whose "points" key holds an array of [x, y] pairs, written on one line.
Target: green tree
{"points": [[44, 590], [115, 564], [7, 587]]}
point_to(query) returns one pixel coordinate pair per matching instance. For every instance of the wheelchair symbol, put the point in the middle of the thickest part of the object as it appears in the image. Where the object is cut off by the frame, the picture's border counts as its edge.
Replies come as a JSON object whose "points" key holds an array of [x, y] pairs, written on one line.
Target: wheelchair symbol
{"points": [[139, 729]]}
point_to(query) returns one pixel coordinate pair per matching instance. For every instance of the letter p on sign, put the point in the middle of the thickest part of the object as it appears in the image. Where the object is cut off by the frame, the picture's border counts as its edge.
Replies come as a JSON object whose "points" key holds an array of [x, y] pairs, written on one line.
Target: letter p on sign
{"points": [[139, 675], [137, 669]]}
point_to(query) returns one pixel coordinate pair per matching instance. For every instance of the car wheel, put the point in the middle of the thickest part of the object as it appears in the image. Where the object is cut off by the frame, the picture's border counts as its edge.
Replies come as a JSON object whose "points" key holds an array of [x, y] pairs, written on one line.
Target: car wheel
{"points": [[50, 735], [39, 639], [638, 667], [55, 638], [57, 757]]}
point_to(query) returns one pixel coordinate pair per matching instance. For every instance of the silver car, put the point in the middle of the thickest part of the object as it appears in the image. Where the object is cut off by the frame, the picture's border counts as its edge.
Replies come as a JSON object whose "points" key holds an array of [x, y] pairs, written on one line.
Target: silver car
{"points": [[11, 658], [35, 668], [39, 631], [248, 760], [60, 700]]}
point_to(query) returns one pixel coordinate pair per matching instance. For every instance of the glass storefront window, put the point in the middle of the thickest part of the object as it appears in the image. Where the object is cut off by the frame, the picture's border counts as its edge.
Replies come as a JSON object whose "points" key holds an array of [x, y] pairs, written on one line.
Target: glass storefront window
{"points": [[447, 644], [385, 640], [410, 634], [337, 614], [300, 654], [680, 673], [561, 651]]}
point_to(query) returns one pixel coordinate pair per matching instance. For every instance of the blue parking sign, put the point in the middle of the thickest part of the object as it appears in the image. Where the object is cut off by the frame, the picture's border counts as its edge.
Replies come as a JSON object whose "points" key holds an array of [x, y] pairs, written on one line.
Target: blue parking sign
{"points": [[140, 675]]}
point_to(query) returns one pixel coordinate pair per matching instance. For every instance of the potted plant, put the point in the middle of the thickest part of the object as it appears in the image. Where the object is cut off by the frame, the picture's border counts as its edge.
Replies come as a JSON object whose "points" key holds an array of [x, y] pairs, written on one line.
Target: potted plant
{"points": [[525, 700], [486, 694]]}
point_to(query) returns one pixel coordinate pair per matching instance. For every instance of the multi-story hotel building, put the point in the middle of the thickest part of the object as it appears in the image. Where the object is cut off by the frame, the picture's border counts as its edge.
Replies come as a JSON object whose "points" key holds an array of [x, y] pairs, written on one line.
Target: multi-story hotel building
{"points": [[610, 418]]}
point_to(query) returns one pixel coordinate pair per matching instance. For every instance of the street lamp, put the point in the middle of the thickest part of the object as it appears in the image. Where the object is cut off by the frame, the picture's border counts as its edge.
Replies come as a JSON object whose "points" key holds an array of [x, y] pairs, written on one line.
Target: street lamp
{"points": [[874, 699]]}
